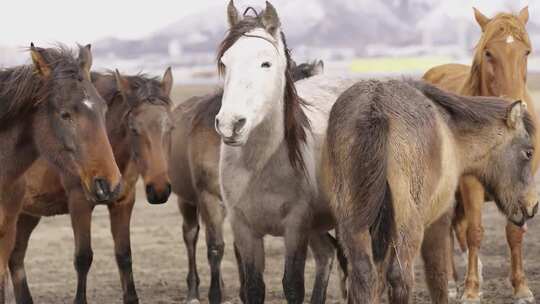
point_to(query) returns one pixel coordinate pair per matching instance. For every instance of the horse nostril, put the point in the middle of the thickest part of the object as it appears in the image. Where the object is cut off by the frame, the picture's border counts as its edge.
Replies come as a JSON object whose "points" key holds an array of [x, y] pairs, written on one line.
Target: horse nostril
{"points": [[239, 124], [102, 189]]}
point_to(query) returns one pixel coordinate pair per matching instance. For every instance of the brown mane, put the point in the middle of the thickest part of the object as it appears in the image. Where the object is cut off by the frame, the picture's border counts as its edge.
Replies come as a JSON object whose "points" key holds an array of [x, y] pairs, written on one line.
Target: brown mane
{"points": [[145, 89], [502, 24], [471, 112], [296, 121], [21, 89]]}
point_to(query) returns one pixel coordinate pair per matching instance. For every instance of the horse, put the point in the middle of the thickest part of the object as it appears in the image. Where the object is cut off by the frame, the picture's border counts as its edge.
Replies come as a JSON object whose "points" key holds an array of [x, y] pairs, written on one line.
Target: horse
{"points": [[194, 148], [392, 159], [138, 125], [50, 109], [499, 68], [307, 69], [270, 145]]}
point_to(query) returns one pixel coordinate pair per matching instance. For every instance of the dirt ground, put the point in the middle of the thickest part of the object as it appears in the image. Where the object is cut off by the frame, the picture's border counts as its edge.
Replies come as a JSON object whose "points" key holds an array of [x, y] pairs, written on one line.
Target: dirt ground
{"points": [[160, 261]]}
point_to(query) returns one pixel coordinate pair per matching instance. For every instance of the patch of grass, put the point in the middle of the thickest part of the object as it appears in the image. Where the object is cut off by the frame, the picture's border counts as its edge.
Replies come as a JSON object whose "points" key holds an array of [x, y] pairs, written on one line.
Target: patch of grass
{"points": [[396, 65]]}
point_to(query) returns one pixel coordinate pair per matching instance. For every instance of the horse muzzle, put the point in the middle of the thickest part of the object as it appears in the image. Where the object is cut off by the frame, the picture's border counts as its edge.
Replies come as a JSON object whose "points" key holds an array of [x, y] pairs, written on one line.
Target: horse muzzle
{"points": [[157, 197], [520, 217], [102, 191]]}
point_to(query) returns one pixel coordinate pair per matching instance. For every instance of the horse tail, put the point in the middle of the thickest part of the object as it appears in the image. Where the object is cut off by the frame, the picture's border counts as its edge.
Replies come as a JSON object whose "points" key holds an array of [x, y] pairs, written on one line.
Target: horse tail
{"points": [[362, 191]]}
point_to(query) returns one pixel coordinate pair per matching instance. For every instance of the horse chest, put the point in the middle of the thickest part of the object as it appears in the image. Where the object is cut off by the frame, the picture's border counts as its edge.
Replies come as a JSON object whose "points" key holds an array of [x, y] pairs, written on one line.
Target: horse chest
{"points": [[266, 199]]}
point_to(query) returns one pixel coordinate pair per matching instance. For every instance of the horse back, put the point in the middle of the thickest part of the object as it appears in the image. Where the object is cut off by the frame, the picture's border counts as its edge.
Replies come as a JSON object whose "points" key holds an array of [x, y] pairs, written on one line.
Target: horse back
{"points": [[450, 77]]}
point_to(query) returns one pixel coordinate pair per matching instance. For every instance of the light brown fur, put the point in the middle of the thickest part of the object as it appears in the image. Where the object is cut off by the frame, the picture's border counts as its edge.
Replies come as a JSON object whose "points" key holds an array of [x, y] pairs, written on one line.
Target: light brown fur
{"points": [[394, 155], [499, 69]]}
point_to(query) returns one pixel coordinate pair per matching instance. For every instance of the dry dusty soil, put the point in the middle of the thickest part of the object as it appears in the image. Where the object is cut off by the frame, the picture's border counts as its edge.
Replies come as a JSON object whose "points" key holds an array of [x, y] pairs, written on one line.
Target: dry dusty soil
{"points": [[160, 262]]}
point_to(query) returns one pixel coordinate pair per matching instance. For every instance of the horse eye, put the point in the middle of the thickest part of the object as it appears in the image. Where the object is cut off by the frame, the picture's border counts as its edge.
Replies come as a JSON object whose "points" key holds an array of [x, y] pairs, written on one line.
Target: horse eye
{"points": [[528, 154], [65, 115], [266, 65], [527, 53], [489, 55]]}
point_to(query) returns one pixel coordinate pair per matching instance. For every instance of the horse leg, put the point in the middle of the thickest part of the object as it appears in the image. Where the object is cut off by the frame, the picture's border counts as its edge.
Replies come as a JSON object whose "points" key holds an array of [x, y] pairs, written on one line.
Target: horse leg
{"points": [[120, 216], [322, 247], [435, 247], [522, 293], [400, 274], [10, 207], [250, 251], [472, 194], [241, 273], [25, 225], [362, 273], [81, 217], [458, 230], [296, 242], [213, 214], [190, 230]]}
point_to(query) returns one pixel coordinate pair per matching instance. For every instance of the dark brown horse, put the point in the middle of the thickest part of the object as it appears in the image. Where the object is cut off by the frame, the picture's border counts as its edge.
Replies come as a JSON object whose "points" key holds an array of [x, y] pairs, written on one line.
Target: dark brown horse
{"points": [[394, 154], [50, 109], [195, 149], [138, 125], [499, 68]]}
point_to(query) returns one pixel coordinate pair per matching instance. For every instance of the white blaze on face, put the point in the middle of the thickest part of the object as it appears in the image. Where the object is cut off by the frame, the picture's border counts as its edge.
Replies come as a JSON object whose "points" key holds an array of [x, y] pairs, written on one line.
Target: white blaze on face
{"points": [[254, 80], [88, 104], [510, 39]]}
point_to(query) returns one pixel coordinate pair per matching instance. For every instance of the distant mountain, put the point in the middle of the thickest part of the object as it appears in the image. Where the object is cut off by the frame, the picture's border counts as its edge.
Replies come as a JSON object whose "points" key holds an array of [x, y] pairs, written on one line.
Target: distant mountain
{"points": [[351, 24]]}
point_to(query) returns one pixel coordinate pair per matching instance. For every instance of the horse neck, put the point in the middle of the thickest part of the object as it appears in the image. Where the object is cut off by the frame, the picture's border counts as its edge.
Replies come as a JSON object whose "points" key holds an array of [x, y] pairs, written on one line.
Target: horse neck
{"points": [[17, 143]]}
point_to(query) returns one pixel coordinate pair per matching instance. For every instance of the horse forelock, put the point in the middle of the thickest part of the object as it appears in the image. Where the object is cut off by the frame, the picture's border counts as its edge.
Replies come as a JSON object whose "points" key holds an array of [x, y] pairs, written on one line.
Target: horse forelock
{"points": [[296, 122]]}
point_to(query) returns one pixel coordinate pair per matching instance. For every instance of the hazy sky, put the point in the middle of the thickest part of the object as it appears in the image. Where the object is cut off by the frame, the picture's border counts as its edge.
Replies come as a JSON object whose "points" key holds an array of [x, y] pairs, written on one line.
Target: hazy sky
{"points": [[69, 21], [84, 21]]}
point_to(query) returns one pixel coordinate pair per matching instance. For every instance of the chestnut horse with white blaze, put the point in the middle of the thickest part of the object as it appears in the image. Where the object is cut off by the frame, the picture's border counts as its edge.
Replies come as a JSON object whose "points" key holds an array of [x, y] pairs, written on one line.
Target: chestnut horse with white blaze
{"points": [[499, 68]]}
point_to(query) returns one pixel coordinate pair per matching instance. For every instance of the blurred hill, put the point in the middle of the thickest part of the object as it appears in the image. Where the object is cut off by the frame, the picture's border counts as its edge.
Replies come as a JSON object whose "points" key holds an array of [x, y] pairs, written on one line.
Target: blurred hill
{"points": [[333, 29]]}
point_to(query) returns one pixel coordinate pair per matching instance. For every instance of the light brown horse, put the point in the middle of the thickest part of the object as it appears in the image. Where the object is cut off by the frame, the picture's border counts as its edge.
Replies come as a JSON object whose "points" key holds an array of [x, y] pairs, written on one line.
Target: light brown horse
{"points": [[194, 149], [50, 109], [138, 125], [392, 161], [499, 68]]}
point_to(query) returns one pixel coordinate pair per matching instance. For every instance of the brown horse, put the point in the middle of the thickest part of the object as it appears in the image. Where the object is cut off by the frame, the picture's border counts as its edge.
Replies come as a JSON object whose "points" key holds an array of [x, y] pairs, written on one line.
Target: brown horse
{"points": [[50, 109], [138, 125], [393, 157], [195, 149], [499, 69]]}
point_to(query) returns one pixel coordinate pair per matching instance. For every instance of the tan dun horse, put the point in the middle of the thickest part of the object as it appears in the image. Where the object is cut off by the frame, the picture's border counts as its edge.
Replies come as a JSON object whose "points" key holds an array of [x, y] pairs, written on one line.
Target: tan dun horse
{"points": [[394, 154], [138, 125], [195, 148], [50, 109], [499, 68]]}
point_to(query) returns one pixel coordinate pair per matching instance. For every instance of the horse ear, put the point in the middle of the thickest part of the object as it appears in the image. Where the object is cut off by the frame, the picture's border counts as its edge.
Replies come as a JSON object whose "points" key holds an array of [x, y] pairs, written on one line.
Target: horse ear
{"points": [[524, 15], [122, 83], [515, 114], [232, 14], [167, 82], [319, 67], [270, 19], [85, 57], [40, 63], [481, 19]]}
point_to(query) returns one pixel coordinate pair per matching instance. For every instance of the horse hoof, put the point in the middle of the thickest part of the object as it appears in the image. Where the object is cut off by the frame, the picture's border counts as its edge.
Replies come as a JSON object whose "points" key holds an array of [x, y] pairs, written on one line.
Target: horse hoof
{"points": [[452, 291], [465, 300], [193, 301], [529, 300]]}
